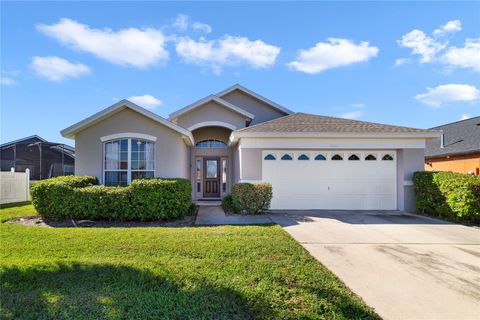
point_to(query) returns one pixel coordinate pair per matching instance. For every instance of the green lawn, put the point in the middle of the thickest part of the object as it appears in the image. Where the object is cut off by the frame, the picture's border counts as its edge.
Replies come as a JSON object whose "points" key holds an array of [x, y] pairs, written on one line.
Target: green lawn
{"points": [[175, 273]]}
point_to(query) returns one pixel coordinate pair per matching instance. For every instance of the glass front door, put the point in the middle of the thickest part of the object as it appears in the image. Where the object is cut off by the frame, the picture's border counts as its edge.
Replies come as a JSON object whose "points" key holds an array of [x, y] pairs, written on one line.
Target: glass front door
{"points": [[211, 177]]}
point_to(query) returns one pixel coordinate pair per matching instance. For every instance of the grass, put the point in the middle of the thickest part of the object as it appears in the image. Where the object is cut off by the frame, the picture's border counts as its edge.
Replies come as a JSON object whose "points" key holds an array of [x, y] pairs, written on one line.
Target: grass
{"points": [[230, 272]]}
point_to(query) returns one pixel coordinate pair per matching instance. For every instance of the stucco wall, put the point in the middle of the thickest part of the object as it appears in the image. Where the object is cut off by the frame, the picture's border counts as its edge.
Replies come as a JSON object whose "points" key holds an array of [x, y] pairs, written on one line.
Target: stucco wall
{"points": [[211, 111], [462, 164], [207, 133], [235, 164], [408, 162], [172, 154], [251, 164], [262, 111]]}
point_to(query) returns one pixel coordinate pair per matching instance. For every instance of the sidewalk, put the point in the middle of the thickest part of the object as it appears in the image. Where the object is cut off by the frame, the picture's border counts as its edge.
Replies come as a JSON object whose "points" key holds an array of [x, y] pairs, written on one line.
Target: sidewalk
{"points": [[214, 215]]}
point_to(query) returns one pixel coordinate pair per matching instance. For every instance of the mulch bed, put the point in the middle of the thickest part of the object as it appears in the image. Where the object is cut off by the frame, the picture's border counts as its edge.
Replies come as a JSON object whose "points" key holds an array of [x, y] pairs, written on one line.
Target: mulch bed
{"points": [[36, 221]]}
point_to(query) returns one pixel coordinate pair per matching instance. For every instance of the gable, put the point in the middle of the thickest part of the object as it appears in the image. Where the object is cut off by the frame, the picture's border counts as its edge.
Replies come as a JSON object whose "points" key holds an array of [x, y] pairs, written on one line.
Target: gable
{"points": [[122, 105], [26, 140], [208, 112], [262, 110], [124, 121]]}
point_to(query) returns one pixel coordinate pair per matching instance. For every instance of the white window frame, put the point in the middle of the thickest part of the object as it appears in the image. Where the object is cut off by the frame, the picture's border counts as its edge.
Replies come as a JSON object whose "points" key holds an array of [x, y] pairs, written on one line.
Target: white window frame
{"points": [[129, 156]]}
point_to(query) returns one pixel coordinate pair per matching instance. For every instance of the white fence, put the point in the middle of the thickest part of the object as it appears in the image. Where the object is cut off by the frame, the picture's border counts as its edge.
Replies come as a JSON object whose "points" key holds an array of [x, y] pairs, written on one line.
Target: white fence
{"points": [[14, 186]]}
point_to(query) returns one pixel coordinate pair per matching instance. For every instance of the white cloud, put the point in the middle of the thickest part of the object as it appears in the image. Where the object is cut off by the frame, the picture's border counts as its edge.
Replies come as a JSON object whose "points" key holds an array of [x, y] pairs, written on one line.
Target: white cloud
{"points": [[465, 116], [132, 46], [331, 54], [147, 101], [435, 48], [446, 93], [181, 22], [203, 27], [421, 44], [57, 69], [227, 51], [351, 115], [449, 27], [7, 81], [466, 57], [402, 61]]}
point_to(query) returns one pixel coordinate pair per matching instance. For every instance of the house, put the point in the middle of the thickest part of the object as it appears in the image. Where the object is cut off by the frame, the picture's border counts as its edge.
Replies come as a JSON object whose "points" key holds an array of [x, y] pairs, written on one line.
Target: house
{"points": [[44, 159], [238, 135], [457, 149]]}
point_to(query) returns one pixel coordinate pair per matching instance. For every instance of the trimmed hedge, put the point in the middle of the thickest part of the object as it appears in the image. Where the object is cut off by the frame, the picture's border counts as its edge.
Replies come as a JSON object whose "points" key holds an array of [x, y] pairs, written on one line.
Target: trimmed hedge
{"points": [[449, 195], [228, 205], [82, 198], [251, 197]]}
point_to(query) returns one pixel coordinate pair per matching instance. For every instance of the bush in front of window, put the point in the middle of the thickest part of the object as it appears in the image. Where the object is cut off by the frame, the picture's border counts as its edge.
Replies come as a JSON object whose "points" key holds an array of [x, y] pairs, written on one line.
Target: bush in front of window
{"points": [[56, 195], [83, 198], [252, 198], [449, 195], [160, 198]]}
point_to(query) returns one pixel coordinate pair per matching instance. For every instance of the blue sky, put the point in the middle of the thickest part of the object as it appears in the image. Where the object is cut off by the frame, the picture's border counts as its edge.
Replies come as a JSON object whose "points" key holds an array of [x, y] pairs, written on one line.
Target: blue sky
{"points": [[413, 64]]}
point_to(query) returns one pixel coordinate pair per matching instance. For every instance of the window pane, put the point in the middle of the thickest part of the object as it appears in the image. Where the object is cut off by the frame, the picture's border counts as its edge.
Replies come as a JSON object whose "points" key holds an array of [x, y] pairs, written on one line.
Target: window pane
{"points": [[111, 155], [124, 145], [142, 157], [197, 169], [124, 165], [224, 175], [212, 168], [387, 157], [303, 157], [115, 178], [142, 174], [286, 157], [150, 165], [337, 157], [320, 157], [269, 157], [370, 157], [211, 144], [353, 157]]}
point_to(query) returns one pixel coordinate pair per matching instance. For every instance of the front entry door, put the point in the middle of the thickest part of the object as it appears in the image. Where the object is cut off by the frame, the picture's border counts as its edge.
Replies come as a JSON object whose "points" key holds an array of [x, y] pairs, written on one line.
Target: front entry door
{"points": [[211, 177]]}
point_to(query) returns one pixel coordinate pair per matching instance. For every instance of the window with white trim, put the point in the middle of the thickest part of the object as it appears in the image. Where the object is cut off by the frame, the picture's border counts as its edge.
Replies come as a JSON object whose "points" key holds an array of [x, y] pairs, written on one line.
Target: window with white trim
{"points": [[128, 159]]}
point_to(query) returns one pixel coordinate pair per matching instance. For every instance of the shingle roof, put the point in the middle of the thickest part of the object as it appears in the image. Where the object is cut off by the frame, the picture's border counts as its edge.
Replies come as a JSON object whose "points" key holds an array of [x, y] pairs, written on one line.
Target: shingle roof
{"points": [[304, 122], [461, 137]]}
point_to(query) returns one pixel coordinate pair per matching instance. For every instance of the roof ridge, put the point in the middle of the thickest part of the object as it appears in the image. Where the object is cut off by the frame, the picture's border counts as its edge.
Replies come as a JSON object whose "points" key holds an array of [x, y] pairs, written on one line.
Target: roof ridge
{"points": [[210, 97], [360, 121], [447, 124], [268, 121]]}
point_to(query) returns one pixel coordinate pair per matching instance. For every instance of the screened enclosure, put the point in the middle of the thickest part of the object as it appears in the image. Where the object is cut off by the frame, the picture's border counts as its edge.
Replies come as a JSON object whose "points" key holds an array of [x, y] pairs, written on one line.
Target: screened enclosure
{"points": [[44, 159]]}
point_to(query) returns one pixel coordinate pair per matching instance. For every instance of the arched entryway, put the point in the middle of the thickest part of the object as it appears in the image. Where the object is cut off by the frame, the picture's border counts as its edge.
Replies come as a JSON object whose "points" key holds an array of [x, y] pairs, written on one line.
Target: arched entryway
{"points": [[211, 160]]}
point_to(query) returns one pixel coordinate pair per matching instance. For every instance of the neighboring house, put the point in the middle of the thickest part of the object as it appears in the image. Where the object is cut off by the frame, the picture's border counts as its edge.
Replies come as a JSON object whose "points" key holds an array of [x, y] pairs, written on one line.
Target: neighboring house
{"points": [[34, 152], [237, 135], [458, 148]]}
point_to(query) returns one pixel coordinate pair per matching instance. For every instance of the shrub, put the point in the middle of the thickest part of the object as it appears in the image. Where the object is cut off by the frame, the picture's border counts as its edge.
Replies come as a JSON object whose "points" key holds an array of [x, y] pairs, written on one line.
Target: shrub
{"points": [[144, 199], [228, 205], [448, 195], [161, 198], [252, 197], [55, 195]]}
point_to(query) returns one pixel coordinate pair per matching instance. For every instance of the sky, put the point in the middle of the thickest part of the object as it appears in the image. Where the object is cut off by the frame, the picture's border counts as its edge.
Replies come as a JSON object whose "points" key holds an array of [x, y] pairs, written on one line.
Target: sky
{"points": [[406, 63]]}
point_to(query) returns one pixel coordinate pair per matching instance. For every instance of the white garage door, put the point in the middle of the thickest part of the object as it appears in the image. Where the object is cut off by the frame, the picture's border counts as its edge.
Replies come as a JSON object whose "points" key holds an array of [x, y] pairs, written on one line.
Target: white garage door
{"points": [[344, 179]]}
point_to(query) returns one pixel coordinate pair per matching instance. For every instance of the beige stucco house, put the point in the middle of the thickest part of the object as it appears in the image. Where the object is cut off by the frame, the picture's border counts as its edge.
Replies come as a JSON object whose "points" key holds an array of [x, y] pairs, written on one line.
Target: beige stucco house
{"points": [[237, 135]]}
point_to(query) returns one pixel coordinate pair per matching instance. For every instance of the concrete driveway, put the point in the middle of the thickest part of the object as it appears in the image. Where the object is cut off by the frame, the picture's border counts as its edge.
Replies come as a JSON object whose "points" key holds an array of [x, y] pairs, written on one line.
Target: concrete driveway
{"points": [[405, 266]]}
